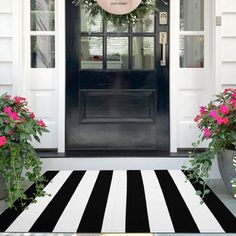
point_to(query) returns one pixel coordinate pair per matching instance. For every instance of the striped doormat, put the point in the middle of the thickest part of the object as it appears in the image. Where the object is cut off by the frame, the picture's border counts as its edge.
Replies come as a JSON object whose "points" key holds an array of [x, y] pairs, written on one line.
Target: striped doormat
{"points": [[133, 201]]}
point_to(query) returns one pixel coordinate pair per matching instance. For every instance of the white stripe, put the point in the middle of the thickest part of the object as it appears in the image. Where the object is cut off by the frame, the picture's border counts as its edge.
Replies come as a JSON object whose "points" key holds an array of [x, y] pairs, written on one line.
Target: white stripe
{"points": [[158, 214], [201, 214], [26, 219], [70, 218], [114, 218]]}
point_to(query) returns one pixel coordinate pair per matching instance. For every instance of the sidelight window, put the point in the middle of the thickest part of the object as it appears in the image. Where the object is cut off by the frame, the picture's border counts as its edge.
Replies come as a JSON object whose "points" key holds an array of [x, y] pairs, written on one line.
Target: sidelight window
{"points": [[42, 33], [192, 33]]}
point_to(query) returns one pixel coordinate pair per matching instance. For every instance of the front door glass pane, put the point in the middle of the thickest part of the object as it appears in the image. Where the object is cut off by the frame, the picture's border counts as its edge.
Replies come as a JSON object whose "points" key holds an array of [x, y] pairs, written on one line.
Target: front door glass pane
{"points": [[192, 15], [117, 53], [143, 53], [91, 52], [90, 25], [116, 28], [192, 51], [145, 25]]}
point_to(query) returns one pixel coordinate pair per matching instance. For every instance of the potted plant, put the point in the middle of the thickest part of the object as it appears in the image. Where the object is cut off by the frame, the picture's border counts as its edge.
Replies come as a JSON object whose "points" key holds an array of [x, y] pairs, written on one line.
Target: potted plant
{"points": [[17, 128], [217, 124]]}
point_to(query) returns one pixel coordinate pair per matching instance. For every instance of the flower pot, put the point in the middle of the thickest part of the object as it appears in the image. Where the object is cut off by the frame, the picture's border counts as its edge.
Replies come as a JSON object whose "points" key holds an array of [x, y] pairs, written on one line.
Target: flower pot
{"points": [[2, 193], [227, 171]]}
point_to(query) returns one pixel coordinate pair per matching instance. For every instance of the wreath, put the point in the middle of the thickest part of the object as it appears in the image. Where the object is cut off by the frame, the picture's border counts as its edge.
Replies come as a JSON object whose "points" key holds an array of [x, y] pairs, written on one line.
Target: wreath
{"points": [[93, 9]]}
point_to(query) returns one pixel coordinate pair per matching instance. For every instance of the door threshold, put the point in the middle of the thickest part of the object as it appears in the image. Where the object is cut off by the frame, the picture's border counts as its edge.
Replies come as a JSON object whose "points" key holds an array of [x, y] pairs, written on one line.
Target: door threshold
{"points": [[113, 153]]}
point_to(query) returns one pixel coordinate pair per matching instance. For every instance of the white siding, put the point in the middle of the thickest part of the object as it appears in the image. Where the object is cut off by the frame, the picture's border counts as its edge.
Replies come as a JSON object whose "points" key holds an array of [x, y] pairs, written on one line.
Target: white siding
{"points": [[6, 46], [228, 44]]}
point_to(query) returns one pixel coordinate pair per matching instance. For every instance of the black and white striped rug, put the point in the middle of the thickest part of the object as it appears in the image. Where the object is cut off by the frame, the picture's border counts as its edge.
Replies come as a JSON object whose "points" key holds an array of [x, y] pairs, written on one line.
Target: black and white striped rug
{"points": [[131, 201]]}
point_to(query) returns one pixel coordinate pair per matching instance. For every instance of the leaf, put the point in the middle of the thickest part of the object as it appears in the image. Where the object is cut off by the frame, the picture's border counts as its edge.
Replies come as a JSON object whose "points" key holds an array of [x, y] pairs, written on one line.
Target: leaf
{"points": [[36, 138]]}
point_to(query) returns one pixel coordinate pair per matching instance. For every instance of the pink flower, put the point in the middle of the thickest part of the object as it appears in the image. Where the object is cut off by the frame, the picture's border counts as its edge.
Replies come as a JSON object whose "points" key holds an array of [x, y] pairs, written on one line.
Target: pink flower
{"points": [[13, 115], [213, 114], [2, 141], [224, 109], [202, 110], [41, 123], [225, 120], [17, 100], [219, 120], [21, 121], [196, 119], [6, 121], [8, 110], [226, 90], [207, 133], [32, 115], [233, 96]]}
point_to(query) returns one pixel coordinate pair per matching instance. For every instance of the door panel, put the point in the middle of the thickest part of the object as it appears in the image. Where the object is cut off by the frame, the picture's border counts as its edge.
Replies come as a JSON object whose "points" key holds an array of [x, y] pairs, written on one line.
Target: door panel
{"points": [[116, 98]]}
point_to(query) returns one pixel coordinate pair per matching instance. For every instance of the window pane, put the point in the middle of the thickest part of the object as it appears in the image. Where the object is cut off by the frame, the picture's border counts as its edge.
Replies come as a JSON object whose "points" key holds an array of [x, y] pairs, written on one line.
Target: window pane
{"points": [[87, 26], [192, 15], [192, 51], [42, 51], [91, 53], [42, 21], [143, 53], [116, 28], [145, 25], [117, 53], [42, 5]]}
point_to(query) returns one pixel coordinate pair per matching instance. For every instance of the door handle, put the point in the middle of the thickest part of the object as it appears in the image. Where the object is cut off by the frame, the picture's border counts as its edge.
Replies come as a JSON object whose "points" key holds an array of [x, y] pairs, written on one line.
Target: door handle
{"points": [[163, 42]]}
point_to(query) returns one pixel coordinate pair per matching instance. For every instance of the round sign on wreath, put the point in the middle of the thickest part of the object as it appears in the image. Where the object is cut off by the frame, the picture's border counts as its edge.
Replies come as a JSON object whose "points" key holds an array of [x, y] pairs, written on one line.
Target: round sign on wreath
{"points": [[119, 12], [119, 7]]}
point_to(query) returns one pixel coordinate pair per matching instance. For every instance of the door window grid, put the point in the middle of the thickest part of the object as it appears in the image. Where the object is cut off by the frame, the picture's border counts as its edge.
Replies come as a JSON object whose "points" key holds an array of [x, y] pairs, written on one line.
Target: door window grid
{"points": [[42, 33], [192, 34], [107, 31]]}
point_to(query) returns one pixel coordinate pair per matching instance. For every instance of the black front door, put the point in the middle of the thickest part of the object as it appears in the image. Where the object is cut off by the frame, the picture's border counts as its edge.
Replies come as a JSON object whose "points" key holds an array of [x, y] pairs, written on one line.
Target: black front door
{"points": [[117, 82]]}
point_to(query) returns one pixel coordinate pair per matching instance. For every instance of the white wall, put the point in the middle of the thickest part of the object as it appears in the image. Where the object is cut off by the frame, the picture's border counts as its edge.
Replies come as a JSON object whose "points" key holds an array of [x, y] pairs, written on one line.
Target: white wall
{"points": [[228, 44], [6, 46]]}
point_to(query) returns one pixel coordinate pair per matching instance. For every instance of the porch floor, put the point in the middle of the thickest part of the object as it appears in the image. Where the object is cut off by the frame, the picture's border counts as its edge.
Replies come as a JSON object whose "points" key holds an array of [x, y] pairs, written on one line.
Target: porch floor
{"points": [[216, 185]]}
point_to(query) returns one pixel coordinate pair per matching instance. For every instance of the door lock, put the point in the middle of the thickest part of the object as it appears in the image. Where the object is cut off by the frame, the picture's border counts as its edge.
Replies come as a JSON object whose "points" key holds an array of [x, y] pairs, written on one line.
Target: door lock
{"points": [[163, 42]]}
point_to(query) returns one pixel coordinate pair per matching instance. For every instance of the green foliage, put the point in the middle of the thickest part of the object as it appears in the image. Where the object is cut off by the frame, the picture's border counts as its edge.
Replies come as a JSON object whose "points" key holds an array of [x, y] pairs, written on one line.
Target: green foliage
{"points": [[133, 17], [217, 124], [17, 128]]}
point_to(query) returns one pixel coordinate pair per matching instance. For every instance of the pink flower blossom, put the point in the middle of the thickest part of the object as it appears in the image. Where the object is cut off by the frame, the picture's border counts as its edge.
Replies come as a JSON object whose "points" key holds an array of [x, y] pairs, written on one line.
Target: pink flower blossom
{"points": [[41, 123], [2, 141], [13, 115], [224, 109], [196, 119], [219, 120], [202, 110], [17, 100], [8, 110], [213, 114], [32, 115], [10, 113], [233, 96], [207, 133], [225, 120]]}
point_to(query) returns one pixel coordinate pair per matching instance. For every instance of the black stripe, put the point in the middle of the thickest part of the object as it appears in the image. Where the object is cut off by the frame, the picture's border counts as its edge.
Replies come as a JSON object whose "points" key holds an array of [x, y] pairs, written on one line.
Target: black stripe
{"points": [[9, 215], [181, 217], [49, 217], [136, 208], [92, 218], [225, 218]]}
